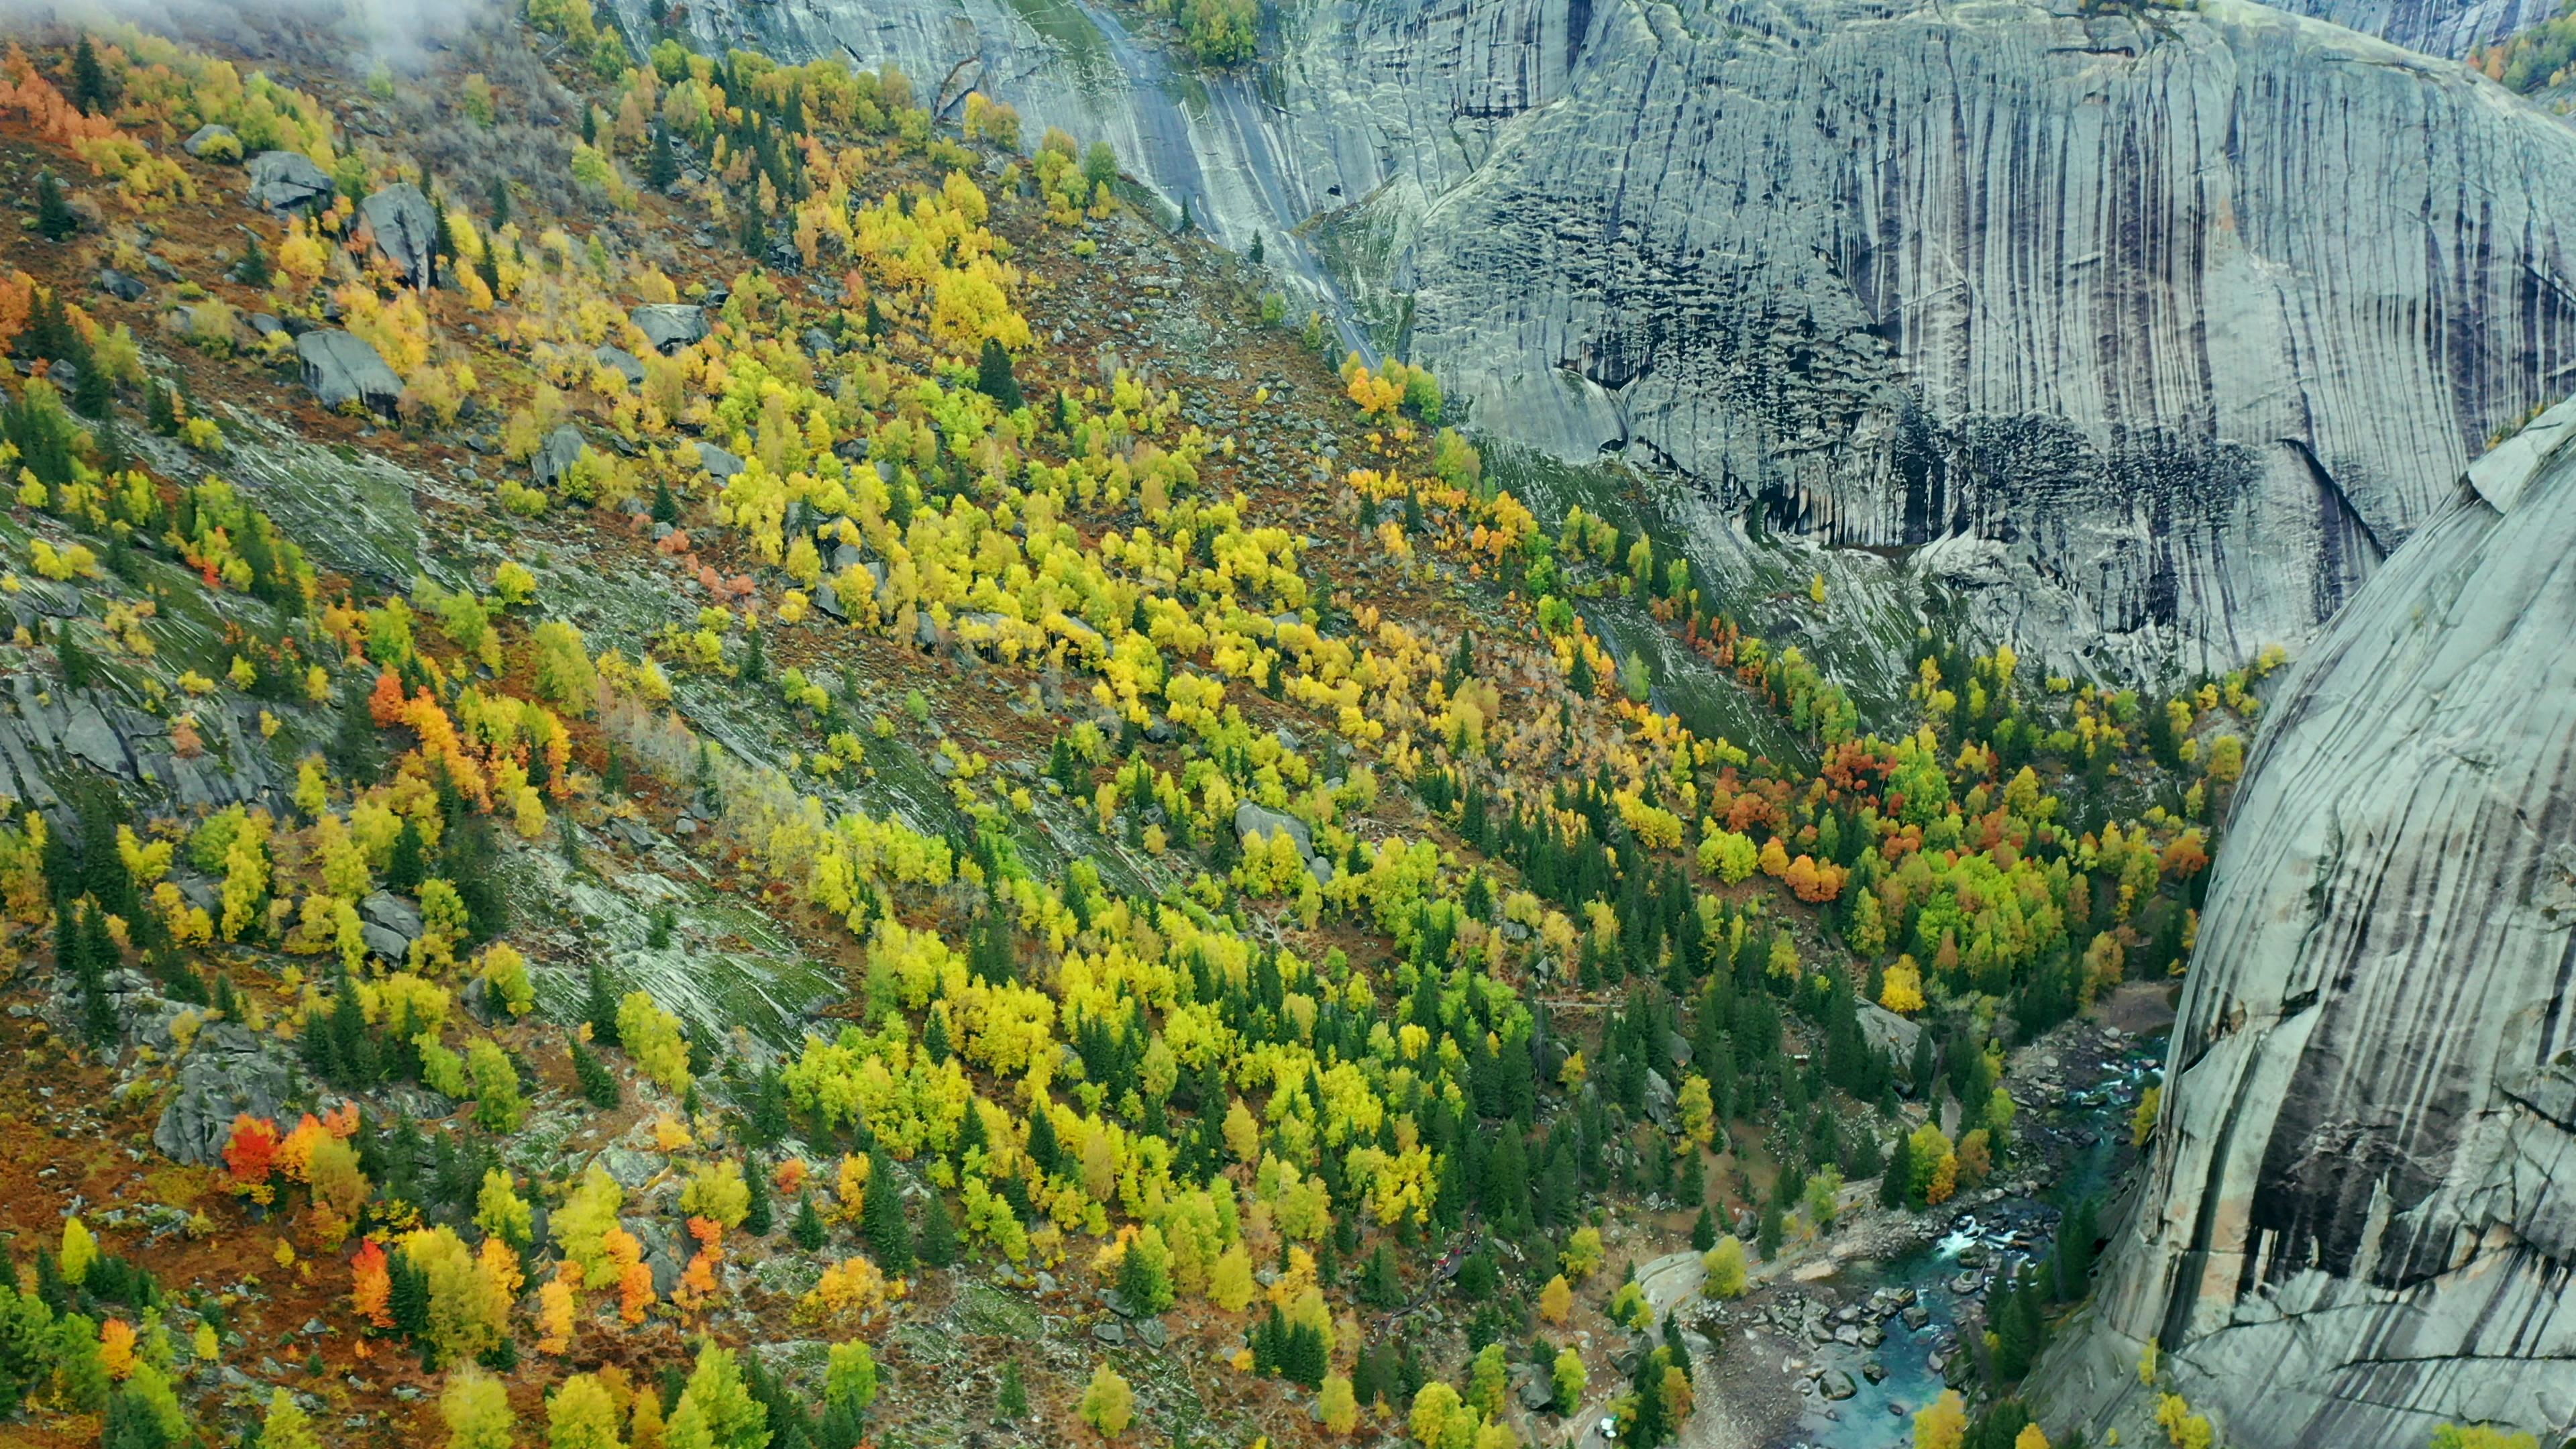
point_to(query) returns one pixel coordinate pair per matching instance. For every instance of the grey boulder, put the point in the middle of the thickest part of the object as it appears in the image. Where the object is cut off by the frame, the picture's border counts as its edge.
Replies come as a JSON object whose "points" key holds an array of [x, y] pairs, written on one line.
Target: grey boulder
{"points": [[563, 448], [207, 135], [282, 181], [341, 368], [670, 326], [628, 365], [404, 227], [1252, 821]]}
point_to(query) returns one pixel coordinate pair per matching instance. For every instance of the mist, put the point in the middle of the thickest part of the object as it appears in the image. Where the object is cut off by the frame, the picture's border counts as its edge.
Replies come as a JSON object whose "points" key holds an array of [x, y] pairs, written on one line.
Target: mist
{"points": [[399, 32]]}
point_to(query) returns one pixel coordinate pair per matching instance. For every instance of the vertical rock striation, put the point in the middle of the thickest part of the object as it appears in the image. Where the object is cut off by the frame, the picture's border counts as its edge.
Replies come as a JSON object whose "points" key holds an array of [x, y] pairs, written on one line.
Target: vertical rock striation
{"points": [[2158, 323], [2436, 27], [2359, 1217]]}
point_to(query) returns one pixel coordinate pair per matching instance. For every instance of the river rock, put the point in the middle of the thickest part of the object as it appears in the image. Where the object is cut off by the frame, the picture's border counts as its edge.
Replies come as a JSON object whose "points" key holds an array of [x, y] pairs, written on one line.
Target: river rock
{"points": [[2356, 1222], [284, 181], [341, 368]]}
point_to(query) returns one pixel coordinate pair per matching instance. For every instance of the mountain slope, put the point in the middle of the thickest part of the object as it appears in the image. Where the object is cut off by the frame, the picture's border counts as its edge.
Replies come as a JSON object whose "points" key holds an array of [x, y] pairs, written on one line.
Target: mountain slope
{"points": [[2170, 312]]}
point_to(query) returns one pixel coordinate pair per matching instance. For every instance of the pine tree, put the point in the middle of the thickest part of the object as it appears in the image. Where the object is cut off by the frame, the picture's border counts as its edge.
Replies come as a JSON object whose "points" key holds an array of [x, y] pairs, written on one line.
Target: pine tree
{"points": [[599, 1007], [160, 413], [598, 1084], [994, 378], [253, 269], [1704, 1231], [1012, 1404], [881, 1217], [1653, 1422], [1042, 1144], [54, 219], [91, 89], [1256, 249], [938, 1232], [409, 865], [807, 1230], [661, 168], [1771, 1229], [500, 202], [757, 1219], [93, 396], [1899, 1176]]}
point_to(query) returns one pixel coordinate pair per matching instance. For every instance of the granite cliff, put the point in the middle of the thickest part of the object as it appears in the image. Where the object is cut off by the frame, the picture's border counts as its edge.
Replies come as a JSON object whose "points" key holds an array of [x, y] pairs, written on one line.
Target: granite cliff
{"points": [[2160, 322], [2356, 1223]]}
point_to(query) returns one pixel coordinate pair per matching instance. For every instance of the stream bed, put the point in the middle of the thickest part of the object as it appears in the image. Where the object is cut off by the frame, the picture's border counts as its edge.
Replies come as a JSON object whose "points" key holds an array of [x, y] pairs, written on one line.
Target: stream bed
{"points": [[1874, 1340]]}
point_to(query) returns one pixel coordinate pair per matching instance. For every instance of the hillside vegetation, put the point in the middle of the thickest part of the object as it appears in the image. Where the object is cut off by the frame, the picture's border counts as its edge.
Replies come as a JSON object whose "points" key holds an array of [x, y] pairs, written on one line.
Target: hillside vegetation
{"points": [[756, 770]]}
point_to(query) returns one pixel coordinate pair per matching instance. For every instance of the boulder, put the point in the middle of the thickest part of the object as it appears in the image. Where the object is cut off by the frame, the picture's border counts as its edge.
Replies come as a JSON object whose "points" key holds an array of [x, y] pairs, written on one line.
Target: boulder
{"points": [[628, 365], [562, 449], [1661, 1103], [121, 286], [213, 137], [670, 326], [341, 368], [1887, 1031], [284, 181], [404, 228], [1836, 1385], [228, 1072], [392, 913], [1253, 820], [720, 465]]}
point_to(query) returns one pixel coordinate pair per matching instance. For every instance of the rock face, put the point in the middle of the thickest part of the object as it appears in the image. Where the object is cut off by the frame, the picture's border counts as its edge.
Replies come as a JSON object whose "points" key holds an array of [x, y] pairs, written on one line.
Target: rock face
{"points": [[340, 367], [2166, 328], [2357, 1222], [2436, 27], [405, 228], [228, 1072]]}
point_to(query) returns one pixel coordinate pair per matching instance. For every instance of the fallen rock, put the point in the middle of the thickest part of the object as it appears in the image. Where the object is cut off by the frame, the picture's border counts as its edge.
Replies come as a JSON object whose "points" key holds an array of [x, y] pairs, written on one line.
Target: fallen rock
{"points": [[122, 287], [392, 913], [628, 365], [1253, 820], [720, 465], [219, 139], [284, 181], [404, 227], [670, 326], [341, 368], [563, 448]]}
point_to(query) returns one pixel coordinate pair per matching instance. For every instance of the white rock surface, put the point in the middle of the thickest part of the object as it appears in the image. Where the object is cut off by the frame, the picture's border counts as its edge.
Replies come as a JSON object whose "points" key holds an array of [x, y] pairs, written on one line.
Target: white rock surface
{"points": [[2359, 1216], [2188, 314], [2437, 27]]}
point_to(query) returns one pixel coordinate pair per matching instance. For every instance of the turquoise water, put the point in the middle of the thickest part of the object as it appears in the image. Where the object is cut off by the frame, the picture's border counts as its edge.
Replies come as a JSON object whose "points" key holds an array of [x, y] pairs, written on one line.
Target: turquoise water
{"points": [[2091, 1122]]}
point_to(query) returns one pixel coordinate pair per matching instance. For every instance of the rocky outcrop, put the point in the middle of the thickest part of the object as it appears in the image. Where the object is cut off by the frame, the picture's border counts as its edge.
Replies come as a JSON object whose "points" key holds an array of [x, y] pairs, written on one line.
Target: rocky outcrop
{"points": [[2161, 325], [2359, 1218], [284, 181], [342, 368], [228, 1072]]}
